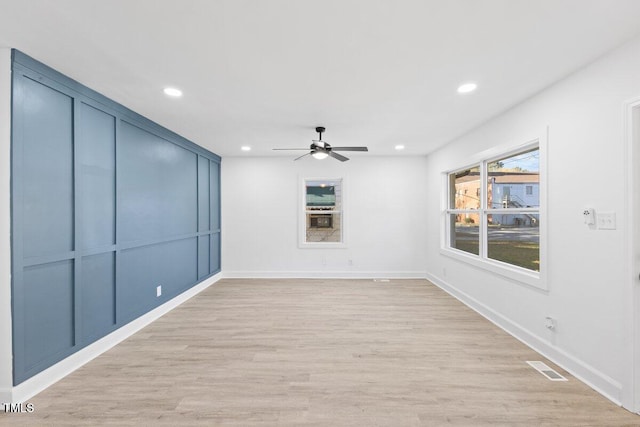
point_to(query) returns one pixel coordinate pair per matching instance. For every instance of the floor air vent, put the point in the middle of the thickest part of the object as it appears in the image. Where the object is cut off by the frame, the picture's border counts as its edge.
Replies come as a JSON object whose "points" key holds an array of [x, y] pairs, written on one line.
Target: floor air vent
{"points": [[380, 280], [546, 371]]}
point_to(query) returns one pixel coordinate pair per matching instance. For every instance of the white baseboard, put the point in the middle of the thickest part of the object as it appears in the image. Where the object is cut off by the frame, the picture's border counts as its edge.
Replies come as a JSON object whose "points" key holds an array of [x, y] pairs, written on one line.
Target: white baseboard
{"points": [[324, 274], [51, 375], [595, 379], [5, 395]]}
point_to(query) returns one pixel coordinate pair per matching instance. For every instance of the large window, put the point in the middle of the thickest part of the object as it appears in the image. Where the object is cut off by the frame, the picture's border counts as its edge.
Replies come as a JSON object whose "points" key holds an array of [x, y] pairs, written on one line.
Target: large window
{"points": [[493, 210], [323, 216]]}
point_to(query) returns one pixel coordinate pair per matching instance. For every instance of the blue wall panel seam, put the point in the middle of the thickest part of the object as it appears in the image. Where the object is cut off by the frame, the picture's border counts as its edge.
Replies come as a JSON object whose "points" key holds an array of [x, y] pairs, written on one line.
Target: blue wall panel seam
{"points": [[77, 227]]}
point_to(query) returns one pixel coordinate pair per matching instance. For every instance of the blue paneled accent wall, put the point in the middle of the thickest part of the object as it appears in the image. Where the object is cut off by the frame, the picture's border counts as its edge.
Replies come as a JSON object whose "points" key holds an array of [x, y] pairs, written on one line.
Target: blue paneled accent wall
{"points": [[106, 206]]}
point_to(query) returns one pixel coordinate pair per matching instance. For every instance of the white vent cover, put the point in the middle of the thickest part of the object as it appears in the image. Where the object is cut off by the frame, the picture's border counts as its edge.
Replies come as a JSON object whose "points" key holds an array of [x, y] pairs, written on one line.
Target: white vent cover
{"points": [[545, 370], [381, 280]]}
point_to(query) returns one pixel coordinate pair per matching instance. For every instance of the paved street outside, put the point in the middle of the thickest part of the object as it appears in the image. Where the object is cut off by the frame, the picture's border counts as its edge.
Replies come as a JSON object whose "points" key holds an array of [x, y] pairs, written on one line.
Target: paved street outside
{"points": [[505, 233]]}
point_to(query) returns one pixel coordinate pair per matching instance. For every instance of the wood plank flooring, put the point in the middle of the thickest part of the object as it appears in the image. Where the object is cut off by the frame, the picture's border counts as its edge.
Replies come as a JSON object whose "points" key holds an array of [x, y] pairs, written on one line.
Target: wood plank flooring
{"points": [[319, 353]]}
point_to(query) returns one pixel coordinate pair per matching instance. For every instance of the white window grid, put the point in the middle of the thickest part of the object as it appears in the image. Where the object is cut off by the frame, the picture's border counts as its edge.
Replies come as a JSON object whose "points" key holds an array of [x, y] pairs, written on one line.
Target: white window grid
{"points": [[482, 259]]}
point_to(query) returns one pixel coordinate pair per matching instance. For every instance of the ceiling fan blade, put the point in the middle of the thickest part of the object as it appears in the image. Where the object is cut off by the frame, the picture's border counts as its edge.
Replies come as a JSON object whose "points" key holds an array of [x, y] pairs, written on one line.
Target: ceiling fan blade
{"points": [[280, 149], [301, 156], [350, 148], [337, 156]]}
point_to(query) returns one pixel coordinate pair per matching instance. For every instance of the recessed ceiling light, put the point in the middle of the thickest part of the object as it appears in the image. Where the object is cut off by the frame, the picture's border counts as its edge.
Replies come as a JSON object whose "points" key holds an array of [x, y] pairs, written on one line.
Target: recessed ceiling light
{"points": [[467, 87], [399, 147], [173, 92], [245, 148]]}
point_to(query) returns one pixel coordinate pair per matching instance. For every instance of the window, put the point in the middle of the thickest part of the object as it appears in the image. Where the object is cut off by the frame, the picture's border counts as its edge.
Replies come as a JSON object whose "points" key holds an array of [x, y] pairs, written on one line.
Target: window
{"points": [[322, 210], [463, 212], [500, 227]]}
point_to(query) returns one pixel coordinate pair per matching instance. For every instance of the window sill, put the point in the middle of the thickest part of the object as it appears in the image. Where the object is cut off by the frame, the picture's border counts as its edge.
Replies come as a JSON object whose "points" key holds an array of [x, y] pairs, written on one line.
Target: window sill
{"points": [[321, 245], [517, 274]]}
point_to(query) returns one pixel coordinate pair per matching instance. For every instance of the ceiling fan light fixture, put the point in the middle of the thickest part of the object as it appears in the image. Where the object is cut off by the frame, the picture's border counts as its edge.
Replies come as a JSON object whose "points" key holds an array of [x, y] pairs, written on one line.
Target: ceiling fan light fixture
{"points": [[319, 155]]}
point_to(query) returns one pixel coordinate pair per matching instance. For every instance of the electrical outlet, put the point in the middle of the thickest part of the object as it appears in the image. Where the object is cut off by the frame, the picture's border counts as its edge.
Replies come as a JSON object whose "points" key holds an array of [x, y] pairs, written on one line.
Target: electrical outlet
{"points": [[158, 290], [550, 323]]}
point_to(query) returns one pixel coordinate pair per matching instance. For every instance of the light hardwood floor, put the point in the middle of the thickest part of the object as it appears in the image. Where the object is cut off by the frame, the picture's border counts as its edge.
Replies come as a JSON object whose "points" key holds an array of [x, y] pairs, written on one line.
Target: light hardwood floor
{"points": [[319, 353]]}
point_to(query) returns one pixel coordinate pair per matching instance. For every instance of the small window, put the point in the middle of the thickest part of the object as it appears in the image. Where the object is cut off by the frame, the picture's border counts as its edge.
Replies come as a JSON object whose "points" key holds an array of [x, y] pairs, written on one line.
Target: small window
{"points": [[323, 212]]}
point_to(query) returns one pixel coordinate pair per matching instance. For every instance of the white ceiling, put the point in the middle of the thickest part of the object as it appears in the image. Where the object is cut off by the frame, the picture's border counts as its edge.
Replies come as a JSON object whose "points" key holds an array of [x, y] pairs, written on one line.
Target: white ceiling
{"points": [[264, 73]]}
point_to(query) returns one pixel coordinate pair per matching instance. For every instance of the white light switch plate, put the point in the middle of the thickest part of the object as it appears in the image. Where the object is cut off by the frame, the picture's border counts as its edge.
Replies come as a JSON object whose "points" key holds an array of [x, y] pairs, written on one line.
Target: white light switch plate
{"points": [[606, 220]]}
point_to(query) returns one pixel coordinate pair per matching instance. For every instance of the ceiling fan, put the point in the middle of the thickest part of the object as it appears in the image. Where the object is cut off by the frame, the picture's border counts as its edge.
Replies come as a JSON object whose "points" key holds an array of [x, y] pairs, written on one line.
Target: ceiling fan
{"points": [[320, 149]]}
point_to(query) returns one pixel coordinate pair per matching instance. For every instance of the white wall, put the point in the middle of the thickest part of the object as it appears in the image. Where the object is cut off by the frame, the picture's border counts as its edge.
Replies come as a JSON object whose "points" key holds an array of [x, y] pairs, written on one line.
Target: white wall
{"points": [[6, 378], [385, 207], [588, 288]]}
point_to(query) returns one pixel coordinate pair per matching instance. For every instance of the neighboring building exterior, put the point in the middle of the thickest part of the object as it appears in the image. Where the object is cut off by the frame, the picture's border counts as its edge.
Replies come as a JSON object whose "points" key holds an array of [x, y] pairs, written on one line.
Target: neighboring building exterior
{"points": [[506, 189]]}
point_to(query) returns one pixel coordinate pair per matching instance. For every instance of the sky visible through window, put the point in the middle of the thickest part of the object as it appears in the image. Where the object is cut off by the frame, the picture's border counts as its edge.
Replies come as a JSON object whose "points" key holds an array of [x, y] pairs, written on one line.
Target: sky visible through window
{"points": [[524, 162]]}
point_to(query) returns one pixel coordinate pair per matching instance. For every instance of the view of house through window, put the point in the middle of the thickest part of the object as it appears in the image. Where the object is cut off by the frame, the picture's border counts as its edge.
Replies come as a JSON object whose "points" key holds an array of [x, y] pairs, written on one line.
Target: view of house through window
{"points": [[464, 217], [323, 211], [494, 210]]}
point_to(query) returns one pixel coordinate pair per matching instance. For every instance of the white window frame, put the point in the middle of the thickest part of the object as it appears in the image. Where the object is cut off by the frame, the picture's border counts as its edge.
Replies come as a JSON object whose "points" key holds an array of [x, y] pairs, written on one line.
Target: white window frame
{"points": [[302, 216], [537, 279]]}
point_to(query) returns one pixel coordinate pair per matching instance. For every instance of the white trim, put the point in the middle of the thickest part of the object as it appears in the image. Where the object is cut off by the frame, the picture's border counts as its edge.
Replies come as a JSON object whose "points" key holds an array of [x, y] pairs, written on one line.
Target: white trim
{"points": [[595, 379], [631, 398], [324, 274], [515, 273], [6, 356], [511, 211], [322, 245], [462, 211], [51, 375], [494, 211], [483, 247]]}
